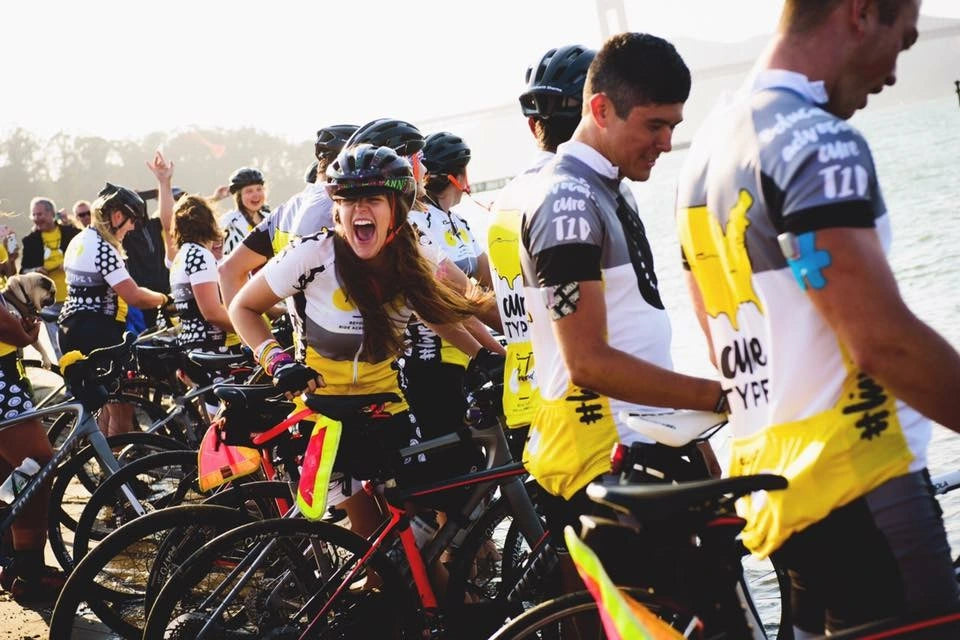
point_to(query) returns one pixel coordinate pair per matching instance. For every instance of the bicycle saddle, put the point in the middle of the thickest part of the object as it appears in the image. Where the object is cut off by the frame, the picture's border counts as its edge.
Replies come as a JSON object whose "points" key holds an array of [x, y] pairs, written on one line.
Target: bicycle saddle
{"points": [[245, 395], [648, 502], [345, 407], [218, 361], [673, 428]]}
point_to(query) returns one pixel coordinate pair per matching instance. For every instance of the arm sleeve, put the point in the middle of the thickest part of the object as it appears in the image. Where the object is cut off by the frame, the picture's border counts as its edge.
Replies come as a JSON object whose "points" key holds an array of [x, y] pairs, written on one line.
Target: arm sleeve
{"points": [[290, 270], [564, 236], [110, 264], [200, 266], [832, 184]]}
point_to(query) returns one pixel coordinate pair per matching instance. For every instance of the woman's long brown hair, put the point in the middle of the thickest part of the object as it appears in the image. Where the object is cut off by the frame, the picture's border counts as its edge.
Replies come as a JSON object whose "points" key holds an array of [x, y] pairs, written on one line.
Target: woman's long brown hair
{"points": [[403, 276]]}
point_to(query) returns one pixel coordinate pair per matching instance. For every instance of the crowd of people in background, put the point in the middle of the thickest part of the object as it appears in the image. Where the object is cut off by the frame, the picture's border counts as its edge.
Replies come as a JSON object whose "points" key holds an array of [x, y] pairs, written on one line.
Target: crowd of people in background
{"points": [[389, 290]]}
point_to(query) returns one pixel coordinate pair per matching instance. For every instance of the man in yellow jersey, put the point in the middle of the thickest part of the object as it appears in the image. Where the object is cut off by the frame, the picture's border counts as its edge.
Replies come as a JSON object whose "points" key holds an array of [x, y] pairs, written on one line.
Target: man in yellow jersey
{"points": [[600, 333], [43, 250], [831, 380], [551, 103]]}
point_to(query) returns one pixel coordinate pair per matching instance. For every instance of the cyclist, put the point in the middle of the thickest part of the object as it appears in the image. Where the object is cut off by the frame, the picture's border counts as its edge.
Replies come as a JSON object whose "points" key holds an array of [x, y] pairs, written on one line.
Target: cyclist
{"points": [[24, 576], [434, 370], [305, 213], [552, 103], [600, 334], [99, 288], [359, 285], [785, 229], [246, 185]]}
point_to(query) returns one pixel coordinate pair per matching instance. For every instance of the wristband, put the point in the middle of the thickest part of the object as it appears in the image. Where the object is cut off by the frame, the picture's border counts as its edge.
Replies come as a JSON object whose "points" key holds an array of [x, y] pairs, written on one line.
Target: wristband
{"points": [[276, 359], [261, 348]]}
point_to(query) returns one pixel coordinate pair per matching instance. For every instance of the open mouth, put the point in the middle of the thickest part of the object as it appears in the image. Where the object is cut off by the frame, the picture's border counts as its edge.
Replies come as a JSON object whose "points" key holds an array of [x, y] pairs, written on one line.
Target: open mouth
{"points": [[364, 230]]}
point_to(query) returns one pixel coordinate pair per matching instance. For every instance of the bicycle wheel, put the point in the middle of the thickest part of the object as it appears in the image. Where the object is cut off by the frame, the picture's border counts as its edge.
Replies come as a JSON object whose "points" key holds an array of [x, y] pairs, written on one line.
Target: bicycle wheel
{"points": [[575, 616], [112, 578], [59, 428], [74, 478], [159, 480], [486, 568], [288, 562]]}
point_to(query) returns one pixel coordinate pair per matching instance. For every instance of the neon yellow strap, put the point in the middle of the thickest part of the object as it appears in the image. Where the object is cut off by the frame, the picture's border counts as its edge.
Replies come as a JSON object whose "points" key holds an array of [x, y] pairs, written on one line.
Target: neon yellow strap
{"points": [[623, 618], [318, 467]]}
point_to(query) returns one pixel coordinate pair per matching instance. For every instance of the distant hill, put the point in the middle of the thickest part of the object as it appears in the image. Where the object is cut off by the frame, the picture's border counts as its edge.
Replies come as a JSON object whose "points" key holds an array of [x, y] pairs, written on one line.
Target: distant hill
{"points": [[503, 146]]}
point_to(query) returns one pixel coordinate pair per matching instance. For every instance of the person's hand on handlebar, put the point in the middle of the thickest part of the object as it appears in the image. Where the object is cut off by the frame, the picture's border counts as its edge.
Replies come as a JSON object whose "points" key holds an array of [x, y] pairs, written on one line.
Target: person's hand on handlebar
{"points": [[289, 376]]}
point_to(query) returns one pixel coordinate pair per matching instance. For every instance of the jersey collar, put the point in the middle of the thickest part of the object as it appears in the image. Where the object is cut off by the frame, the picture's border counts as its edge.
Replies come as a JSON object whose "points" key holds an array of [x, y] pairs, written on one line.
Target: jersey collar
{"points": [[813, 91], [590, 157]]}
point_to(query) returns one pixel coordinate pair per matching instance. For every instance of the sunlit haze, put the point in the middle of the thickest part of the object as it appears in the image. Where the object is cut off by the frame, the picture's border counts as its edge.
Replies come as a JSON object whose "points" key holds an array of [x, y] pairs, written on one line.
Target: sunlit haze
{"points": [[120, 69]]}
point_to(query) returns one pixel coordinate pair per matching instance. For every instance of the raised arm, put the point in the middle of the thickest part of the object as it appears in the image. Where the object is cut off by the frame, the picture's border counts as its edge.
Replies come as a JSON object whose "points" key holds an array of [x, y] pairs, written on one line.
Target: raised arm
{"points": [[162, 169]]}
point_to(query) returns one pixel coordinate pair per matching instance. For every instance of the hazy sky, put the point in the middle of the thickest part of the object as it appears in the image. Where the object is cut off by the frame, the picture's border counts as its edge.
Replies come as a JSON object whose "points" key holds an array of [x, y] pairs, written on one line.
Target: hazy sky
{"points": [[120, 68]]}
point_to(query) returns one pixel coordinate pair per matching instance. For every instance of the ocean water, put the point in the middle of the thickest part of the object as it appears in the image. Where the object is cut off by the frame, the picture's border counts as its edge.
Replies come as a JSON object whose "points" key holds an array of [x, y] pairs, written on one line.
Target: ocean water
{"points": [[916, 148]]}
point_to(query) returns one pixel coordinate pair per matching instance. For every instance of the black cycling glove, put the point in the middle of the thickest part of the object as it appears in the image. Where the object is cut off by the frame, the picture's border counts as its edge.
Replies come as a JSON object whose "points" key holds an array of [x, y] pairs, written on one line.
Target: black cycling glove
{"points": [[293, 377], [486, 366]]}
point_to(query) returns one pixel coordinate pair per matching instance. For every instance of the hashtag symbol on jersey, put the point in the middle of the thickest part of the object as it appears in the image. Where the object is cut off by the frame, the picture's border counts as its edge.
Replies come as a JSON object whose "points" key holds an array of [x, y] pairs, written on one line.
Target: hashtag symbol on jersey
{"points": [[872, 424], [589, 413]]}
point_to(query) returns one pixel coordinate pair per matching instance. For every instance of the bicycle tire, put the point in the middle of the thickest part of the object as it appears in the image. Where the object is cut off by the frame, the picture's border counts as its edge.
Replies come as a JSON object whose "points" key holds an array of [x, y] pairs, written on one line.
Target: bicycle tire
{"points": [[122, 611], [92, 526], [575, 611], [62, 518], [484, 581], [258, 498], [385, 608], [59, 428]]}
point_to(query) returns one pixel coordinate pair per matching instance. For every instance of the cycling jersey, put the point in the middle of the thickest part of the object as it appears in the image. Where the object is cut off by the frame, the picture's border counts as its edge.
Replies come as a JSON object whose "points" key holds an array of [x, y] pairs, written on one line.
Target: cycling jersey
{"points": [[451, 234], [303, 214], [770, 162], [520, 389], [93, 266], [578, 226], [332, 336], [235, 228], [194, 264]]}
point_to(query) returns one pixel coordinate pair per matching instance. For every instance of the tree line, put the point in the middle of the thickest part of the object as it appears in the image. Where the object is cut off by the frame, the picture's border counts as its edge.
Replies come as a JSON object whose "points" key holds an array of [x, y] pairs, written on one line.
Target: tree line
{"points": [[67, 168]]}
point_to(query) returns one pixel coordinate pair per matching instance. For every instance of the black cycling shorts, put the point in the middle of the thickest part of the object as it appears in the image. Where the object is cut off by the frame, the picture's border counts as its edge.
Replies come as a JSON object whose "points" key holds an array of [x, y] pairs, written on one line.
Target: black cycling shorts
{"points": [[883, 555], [88, 330]]}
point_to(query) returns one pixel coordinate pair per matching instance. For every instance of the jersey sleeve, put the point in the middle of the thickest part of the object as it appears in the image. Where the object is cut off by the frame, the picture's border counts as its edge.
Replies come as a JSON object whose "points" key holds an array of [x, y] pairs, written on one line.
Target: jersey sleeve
{"points": [[831, 183], [200, 265], [110, 264], [260, 240], [292, 269], [564, 235]]}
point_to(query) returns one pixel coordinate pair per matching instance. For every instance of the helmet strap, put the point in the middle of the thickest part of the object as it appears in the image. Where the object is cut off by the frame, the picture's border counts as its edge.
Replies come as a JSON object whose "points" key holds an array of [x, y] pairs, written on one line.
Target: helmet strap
{"points": [[392, 232]]}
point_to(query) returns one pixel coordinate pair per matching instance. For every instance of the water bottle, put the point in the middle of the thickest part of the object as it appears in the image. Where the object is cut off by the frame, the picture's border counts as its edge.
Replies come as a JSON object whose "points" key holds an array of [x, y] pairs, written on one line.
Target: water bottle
{"points": [[18, 479]]}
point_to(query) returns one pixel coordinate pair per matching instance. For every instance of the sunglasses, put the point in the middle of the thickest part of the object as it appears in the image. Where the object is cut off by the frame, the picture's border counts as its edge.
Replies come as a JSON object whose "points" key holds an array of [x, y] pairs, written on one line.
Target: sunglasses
{"points": [[83, 214]]}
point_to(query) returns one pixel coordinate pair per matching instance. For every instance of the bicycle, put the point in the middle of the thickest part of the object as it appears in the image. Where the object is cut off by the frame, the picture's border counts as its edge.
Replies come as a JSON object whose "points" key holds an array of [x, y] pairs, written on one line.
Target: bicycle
{"points": [[84, 378], [288, 577]]}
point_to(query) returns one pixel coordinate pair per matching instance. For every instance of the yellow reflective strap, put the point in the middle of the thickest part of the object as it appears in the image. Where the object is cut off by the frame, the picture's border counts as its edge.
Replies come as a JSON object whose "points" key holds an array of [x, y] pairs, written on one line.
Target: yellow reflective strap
{"points": [[318, 467], [70, 358], [623, 618]]}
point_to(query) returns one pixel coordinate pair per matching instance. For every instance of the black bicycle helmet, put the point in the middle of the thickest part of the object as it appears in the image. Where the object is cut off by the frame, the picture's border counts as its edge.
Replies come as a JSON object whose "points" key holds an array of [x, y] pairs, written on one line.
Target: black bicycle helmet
{"points": [[402, 137], [330, 140], [367, 170], [555, 83], [445, 153], [310, 177], [113, 197], [244, 177]]}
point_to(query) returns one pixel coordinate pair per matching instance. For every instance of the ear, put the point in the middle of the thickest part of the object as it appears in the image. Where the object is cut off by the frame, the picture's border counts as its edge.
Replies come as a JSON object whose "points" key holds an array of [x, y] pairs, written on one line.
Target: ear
{"points": [[600, 109], [858, 14], [532, 124]]}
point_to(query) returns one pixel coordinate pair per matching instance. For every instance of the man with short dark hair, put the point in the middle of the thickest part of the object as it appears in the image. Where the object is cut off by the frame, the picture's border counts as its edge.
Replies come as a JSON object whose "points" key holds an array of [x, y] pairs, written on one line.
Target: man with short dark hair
{"points": [[600, 334], [831, 380], [43, 250]]}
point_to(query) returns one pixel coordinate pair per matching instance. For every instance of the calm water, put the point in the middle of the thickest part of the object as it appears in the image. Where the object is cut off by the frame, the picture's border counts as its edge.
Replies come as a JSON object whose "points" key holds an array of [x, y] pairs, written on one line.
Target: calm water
{"points": [[915, 147]]}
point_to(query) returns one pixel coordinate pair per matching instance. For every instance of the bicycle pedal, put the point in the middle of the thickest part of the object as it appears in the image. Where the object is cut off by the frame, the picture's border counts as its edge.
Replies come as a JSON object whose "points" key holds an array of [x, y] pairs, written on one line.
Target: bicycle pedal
{"points": [[334, 515]]}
